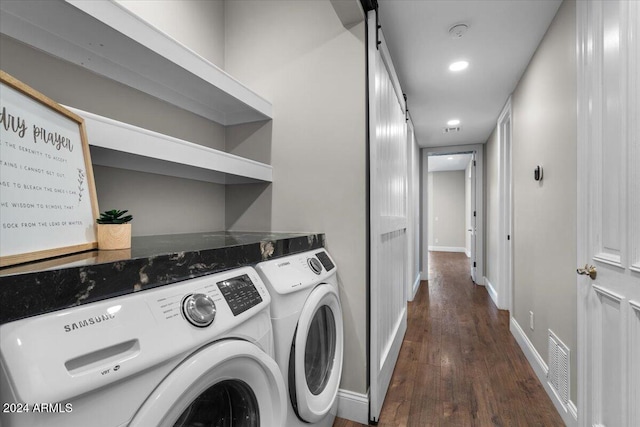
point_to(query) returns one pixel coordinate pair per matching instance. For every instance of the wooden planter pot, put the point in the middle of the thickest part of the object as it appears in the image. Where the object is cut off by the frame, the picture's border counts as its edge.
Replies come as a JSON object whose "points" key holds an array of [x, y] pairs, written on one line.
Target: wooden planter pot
{"points": [[114, 236]]}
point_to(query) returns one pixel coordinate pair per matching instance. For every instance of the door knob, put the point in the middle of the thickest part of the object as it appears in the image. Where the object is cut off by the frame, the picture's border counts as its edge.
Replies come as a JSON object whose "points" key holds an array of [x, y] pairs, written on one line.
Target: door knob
{"points": [[588, 270]]}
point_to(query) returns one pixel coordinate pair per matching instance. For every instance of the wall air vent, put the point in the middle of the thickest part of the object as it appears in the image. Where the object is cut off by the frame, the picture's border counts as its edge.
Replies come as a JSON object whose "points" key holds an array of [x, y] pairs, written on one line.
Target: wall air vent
{"points": [[451, 129], [558, 375]]}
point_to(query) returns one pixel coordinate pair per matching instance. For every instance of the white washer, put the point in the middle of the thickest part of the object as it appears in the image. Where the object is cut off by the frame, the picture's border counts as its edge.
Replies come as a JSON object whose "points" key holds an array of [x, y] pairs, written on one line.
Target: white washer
{"points": [[148, 359], [308, 333]]}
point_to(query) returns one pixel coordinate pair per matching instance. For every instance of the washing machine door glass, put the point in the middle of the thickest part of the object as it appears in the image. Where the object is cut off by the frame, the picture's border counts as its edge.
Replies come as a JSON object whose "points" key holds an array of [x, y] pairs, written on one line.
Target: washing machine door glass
{"points": [[228, 383], [315, 363], [320, 350], [225, 404]]}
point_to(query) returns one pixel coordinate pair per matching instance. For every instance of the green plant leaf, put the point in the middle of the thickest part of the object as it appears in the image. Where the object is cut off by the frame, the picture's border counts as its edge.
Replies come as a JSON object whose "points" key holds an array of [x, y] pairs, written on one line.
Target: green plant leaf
{"points": [[114, 216]]}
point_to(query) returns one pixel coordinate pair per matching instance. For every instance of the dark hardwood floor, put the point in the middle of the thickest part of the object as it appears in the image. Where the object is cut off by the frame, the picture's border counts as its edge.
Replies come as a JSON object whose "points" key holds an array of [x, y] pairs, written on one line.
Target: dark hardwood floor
{"points": [[459, 365]]}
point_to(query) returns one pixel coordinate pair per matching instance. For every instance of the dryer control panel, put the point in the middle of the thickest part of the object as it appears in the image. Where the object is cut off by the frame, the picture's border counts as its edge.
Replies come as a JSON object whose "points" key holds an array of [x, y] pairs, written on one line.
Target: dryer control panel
{"points": [[325, 260], [297, 272]]}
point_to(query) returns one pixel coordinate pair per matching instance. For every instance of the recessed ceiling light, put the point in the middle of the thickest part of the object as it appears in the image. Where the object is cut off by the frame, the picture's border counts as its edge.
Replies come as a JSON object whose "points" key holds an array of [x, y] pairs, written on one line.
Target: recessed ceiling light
{"points": [[449, 158], [453, 122], [458, 66]]}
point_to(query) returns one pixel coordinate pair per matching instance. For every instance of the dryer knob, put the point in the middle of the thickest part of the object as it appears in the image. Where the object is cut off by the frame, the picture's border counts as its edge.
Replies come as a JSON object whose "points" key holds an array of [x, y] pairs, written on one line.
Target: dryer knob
{"points": [[199, 309], [314, 265]]}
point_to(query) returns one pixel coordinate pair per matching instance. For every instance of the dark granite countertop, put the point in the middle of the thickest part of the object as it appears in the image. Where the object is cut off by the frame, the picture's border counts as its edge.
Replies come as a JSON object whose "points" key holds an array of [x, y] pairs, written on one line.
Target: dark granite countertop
{"points": [[69, 281]]}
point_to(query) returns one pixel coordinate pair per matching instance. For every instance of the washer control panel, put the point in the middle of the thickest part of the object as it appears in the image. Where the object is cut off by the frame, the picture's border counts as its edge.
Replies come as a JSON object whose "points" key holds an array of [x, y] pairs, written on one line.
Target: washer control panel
{"points": [[240, 293], [199, 309], [209, 300], [194, 302]]}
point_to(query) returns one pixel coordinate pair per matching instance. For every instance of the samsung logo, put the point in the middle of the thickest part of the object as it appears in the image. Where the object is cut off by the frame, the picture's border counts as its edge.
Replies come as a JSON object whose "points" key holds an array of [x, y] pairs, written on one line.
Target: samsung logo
{"points": [[282, 264], [89, 322]]}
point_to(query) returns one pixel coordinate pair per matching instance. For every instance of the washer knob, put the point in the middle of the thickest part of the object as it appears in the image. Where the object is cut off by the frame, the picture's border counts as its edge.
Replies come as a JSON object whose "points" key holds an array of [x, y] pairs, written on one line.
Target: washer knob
{"points": [[199, 309], [314, 265]]}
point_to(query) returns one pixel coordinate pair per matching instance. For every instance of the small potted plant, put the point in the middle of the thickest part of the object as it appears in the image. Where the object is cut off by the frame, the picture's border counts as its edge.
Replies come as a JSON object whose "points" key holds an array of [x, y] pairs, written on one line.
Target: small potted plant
{"points": [[114, 230]]}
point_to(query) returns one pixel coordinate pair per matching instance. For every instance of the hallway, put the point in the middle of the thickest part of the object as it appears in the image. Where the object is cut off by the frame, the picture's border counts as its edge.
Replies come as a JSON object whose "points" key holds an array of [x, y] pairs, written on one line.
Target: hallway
{"points": [[459, 365]]}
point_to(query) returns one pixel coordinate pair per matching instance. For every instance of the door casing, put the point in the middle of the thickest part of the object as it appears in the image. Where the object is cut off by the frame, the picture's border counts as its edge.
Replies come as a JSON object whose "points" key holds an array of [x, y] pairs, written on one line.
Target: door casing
{"points": [[505, 236], [478, 149]]}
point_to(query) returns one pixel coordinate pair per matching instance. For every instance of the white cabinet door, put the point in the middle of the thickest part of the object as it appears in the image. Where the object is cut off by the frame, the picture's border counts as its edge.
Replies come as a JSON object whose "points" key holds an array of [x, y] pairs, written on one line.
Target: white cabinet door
{"points": [[609, 213]]}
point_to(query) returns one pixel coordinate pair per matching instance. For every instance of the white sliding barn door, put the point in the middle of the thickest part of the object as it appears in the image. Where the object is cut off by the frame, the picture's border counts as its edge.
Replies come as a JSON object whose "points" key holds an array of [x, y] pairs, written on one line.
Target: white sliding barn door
{"points": [[609, 213], [388, 220]]}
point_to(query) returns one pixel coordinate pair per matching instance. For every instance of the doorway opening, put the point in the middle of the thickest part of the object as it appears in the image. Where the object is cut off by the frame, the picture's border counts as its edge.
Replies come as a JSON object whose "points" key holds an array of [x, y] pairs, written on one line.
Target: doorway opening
{"points": [[450, 214], [452, 196]]}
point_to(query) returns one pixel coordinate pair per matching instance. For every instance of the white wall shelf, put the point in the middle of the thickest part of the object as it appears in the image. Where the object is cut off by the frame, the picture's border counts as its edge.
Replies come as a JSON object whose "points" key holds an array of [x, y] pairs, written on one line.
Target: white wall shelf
{"points": [[108, 39], [121, 145]]}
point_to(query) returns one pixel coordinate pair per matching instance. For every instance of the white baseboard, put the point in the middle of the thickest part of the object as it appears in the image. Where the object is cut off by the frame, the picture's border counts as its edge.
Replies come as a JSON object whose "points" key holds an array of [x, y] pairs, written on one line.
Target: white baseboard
{"points": [[353, 406], [573, 411], [569, 412], [447, 249], [467, 252], [492, 291], [416, 286]]}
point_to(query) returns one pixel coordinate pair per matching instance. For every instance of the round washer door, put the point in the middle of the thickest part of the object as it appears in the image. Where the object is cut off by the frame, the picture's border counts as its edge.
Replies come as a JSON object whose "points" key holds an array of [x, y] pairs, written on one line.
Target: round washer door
{"points": [[228, 383], [317, 355]]}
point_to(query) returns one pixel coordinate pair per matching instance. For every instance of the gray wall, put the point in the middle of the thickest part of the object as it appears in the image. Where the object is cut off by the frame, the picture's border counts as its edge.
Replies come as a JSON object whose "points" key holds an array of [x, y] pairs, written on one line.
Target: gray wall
{"points": [[544, 133], [447, 209], [300, 57], [197, 24], [155, 201], [161, 204]]}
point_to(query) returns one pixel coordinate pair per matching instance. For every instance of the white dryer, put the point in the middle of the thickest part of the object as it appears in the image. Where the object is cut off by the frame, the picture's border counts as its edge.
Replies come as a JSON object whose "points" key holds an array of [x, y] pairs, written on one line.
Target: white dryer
{"points": [[308, 333], [194, 353]]}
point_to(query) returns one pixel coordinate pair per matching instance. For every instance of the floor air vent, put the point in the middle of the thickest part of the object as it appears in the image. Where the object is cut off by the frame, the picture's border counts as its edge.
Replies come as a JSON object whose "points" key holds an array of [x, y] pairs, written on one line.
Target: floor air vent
{"points": [[558, 375]]}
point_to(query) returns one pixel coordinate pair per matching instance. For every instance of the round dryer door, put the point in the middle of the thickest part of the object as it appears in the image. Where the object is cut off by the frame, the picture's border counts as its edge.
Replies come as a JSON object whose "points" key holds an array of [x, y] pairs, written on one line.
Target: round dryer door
{"points": [[229, 383], [315, 363]]}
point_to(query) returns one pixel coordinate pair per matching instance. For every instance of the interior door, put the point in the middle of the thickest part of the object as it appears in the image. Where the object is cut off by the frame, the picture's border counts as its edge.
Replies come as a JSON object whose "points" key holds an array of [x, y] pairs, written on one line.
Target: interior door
{"points": [[388, 219], [608, 213], [473, 230]]}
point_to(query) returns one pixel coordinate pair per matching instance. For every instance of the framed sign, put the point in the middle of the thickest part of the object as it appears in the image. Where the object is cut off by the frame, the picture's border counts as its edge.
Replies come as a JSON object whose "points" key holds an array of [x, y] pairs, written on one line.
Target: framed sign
{"points": [[48, 202]]}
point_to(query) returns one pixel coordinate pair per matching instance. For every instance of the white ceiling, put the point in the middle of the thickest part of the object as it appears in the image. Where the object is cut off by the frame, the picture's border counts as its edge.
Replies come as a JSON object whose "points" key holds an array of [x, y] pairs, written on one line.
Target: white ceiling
{"points": [[448, 162], [500, 41]]}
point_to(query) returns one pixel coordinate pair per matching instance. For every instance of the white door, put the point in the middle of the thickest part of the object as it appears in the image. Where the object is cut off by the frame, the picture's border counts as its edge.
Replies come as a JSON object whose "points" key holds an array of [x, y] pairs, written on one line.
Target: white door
{"points": [[609, 213], [473, 229], [388, 220]]}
